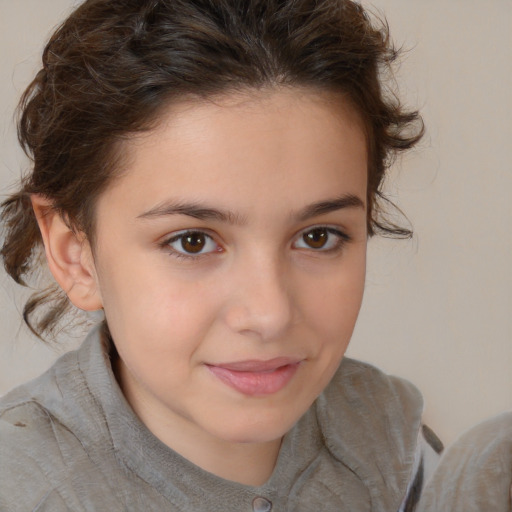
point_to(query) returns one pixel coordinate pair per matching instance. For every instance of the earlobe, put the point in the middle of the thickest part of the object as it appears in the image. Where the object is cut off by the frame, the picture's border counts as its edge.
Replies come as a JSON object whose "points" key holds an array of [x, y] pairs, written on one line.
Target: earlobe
{"points": [[69, 256]]}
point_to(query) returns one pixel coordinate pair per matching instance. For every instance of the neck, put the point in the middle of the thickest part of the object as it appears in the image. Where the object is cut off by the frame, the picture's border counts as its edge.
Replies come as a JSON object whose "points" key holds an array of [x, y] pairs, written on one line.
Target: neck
{"points": [[245, 463]]}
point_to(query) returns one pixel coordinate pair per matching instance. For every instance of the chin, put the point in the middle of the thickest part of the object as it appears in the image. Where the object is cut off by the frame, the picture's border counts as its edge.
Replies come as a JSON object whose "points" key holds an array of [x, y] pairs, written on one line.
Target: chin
{"points": [[256, 430]]}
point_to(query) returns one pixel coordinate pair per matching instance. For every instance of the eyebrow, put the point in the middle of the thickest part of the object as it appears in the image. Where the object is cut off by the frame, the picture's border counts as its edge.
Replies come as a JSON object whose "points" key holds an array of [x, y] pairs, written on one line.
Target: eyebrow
{"points": [[331, 205], [195, 210], [204, 212]]}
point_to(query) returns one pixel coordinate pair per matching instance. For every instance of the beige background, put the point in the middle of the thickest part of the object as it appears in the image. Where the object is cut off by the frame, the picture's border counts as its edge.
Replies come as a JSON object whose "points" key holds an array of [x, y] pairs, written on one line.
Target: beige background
{"points": [[438, 309]]}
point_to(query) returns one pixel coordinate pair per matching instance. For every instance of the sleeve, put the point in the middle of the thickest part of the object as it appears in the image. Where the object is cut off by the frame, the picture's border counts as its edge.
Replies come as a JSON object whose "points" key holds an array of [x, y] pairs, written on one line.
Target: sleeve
{"points": [[428, 452], [475, 473]]}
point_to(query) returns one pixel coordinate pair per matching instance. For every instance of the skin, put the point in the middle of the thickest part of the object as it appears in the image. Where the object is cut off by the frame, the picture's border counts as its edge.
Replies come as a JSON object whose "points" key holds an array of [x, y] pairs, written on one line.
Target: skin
{"points": [[256, 290]]}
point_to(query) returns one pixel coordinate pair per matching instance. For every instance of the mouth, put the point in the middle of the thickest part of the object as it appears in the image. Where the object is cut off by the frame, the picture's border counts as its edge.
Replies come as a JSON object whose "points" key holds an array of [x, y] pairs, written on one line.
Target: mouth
{"points": [[254, 377]]}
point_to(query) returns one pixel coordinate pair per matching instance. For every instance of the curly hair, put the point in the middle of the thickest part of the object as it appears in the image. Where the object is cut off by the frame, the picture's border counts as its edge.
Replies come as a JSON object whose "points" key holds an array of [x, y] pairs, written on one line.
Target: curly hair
{"points": [[114, 65]]}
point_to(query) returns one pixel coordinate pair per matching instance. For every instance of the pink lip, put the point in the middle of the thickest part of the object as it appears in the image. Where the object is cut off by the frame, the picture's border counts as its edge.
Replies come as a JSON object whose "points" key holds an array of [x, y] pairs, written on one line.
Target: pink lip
{"points": [[254, 377]]}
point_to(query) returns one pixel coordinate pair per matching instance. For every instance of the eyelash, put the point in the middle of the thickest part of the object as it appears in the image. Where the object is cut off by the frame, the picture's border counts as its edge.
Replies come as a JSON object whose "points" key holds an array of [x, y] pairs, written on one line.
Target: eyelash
{"points": [[342, 240], [339, 244], [176, 237]]}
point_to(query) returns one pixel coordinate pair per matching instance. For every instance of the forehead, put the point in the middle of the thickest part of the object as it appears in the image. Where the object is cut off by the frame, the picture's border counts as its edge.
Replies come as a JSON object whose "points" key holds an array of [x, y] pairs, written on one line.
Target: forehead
{"points": [[282, 145]]}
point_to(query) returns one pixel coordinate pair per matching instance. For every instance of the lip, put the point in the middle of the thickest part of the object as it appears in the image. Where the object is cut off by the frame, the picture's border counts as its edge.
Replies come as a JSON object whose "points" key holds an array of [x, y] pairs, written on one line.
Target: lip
{"points": [[256, 377]]}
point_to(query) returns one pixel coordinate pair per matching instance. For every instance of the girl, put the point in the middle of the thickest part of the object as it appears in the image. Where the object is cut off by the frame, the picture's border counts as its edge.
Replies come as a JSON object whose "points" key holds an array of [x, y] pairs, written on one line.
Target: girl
{"points": [[207, 174]]}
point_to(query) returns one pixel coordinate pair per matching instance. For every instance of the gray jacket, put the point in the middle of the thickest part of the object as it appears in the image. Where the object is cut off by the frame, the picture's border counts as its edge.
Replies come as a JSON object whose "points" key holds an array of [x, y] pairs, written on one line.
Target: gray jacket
{"points": [[70, 441]]}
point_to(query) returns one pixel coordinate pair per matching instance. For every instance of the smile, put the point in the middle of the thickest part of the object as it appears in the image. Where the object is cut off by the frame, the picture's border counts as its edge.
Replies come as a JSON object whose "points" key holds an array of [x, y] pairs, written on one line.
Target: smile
{"points": [[256, 378]]}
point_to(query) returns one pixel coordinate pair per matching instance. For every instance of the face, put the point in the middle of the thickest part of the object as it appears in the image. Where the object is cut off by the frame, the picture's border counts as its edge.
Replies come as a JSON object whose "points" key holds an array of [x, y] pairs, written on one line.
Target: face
{"points": [[230, 258]]}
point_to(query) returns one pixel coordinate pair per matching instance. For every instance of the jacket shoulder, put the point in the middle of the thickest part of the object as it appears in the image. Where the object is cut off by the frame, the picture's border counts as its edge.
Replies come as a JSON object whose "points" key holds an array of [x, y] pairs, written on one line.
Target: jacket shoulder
{"points": [[29, 453], [36, 444], [370, 421], [362, 384]]}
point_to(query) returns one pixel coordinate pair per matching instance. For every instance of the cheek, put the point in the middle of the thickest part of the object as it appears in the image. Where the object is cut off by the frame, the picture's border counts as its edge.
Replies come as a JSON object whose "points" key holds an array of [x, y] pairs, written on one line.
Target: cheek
{"points": [[146, 298], [333, 302]]}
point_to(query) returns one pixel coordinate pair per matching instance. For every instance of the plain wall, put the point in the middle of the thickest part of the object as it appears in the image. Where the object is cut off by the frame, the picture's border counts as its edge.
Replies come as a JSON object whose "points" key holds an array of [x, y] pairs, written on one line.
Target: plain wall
{"points": [[437, 309]]}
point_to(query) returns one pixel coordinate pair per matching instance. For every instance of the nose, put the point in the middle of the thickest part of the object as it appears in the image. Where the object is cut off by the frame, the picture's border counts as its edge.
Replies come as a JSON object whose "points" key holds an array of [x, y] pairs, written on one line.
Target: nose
{"points": [[261, 301]]}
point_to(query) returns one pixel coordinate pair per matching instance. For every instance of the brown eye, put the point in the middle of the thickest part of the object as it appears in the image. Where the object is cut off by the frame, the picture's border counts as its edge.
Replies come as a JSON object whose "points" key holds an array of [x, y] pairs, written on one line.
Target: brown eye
{"points": [[193, 242], [321, 239], [316, 238]]}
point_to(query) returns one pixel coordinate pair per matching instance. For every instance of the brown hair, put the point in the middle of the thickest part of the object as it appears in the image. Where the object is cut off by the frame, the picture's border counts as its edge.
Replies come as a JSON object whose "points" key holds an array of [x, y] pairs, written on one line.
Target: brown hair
{"points": [[113, 65]]}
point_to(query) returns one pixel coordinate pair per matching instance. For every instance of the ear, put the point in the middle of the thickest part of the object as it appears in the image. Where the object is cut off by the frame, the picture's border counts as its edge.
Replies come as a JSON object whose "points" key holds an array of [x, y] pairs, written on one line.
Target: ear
{"points": [[69, 256]]}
